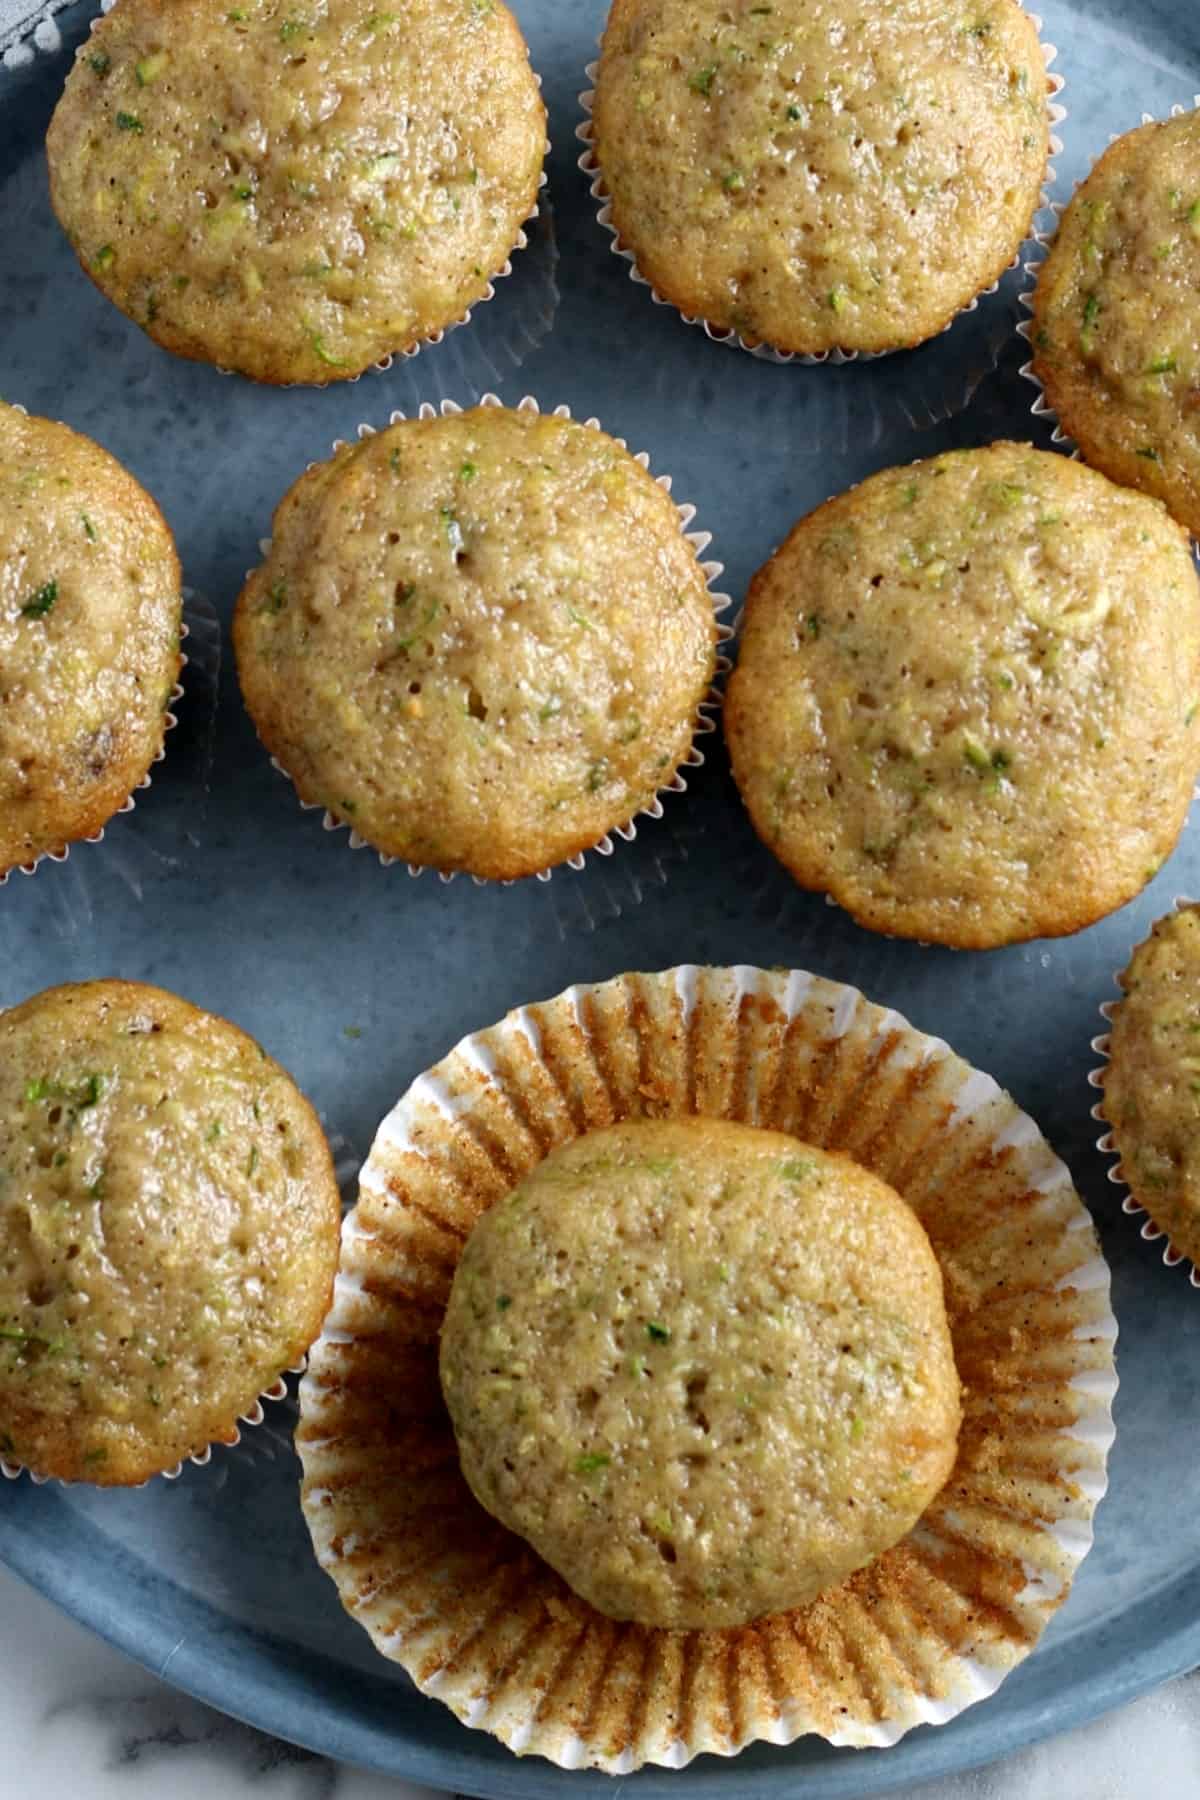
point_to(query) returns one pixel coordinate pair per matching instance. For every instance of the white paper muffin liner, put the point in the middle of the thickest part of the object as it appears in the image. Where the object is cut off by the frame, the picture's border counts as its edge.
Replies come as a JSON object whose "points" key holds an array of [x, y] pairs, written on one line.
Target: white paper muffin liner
{"points": [[708, 707], [1106, 1142], [46, 38], [476, 1619], [733, 340], [1042, 240], [346, 1168]]}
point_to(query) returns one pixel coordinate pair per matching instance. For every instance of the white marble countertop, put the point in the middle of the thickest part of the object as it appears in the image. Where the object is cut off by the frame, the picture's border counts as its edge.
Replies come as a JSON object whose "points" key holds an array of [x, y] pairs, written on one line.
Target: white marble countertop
{"points": [[77, 1719]]}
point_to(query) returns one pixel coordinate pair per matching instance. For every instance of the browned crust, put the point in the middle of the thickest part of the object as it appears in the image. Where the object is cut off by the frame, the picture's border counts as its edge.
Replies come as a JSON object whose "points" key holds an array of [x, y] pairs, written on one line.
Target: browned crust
{"points": [[1085, 414], [87, 818], [279, 370], [1062, 910], [59, 1454], [694, 305]]}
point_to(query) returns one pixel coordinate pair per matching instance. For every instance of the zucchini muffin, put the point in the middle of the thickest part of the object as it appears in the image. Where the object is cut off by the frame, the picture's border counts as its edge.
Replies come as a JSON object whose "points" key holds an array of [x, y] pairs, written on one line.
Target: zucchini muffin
{"points": [[91, 611], [168, 1230], [1151, 1085], [482, 640], [1116, 325], [296, 191], [704, 1369], [966, 704], [822, 174]]}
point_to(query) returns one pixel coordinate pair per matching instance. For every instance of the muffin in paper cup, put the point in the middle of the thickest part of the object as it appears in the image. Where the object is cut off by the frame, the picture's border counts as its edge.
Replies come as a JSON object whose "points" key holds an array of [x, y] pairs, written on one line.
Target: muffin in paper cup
{"points": [[930, 1627], [744, 340], [1043, 241], [132, 738], [139, 1323], [1147, 1187], [337, 818]]}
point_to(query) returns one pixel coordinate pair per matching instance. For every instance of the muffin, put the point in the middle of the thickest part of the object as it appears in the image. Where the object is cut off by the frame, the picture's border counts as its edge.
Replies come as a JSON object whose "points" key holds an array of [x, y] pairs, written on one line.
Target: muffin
{"points": [[91, 611], [702, 1368], [843, 177], [1151, 1085], [966, 701], [480, 639], [1116, 328], [707, 1336], [168, 1230], [295, 194]]}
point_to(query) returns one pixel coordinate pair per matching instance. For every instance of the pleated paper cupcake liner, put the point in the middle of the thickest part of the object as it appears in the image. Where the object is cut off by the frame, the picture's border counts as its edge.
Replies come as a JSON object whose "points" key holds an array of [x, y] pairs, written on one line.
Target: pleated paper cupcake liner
{"points": [[346, 1164], [705, 723], [1106, 1142], [44, 37], [935, 1624], [1040, 250], [734, 340], [199, 621]]}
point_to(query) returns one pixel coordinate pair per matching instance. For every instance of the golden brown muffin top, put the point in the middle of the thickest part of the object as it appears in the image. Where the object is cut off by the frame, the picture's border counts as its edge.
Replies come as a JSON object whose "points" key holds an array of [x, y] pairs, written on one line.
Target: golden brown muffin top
{"points": [[481, 639], [703, 1368], [90, 619], [168, 1230], [1116, 333], [822, 174], [966, 699], [296, 188], [1152, 1081]]}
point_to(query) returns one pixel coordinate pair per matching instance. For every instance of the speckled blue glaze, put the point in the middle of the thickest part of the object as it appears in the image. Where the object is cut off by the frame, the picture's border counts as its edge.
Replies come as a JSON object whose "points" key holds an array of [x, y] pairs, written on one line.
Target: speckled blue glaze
{"points": [[219, 887]]}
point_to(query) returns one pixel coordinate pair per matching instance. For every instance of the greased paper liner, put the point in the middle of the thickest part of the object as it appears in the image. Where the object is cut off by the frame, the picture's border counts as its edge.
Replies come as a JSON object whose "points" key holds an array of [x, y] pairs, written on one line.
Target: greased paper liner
{"points": [[934, 1625], [345, 1169], [589, 163], [705, 722], [1042, 240], [198, 622], [47, 37], [1106, 1143]]}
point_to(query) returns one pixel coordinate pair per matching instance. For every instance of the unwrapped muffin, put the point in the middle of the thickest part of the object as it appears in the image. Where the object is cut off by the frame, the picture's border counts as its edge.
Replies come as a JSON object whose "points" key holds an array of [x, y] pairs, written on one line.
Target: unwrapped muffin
{"points": [[966, 704], [703, 1368], [1116, 322], [168, 1230], [846, 176], [482, 640], [91, 611], [1151, 1083], [296, 192]]}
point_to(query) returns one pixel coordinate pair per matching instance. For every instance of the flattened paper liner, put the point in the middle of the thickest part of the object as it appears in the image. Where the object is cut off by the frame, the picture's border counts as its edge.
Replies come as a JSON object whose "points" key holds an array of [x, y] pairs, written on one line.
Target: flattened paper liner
{"points": [[589, 163], [46, 37], [1107, 1144], [705, 722], [1042, 240], [345, 1167], [467, 1608]]}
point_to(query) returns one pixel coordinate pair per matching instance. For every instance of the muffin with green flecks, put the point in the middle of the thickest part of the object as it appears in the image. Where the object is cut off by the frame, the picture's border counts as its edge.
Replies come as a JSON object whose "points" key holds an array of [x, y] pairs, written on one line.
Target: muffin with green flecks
{"points": [[967, 703], [1151, 1082], [482, 640], [91, 611], [844, 176], [168, 1230], [297, 190], [1116, 325]]}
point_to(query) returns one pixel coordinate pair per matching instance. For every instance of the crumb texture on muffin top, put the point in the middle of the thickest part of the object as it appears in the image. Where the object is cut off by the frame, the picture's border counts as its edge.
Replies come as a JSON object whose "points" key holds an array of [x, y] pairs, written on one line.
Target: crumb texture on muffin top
{"points": [[90, 618], [295, 191], [481, 640], [822, 174], [703, 1368], [1116, 333], [168, 1230], [1152, 1081], [966, 699]]}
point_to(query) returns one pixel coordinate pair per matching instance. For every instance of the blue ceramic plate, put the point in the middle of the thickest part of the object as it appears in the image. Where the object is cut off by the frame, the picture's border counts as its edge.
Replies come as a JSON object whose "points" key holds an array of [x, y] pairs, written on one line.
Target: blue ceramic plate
{"points": [[358, 977]]}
